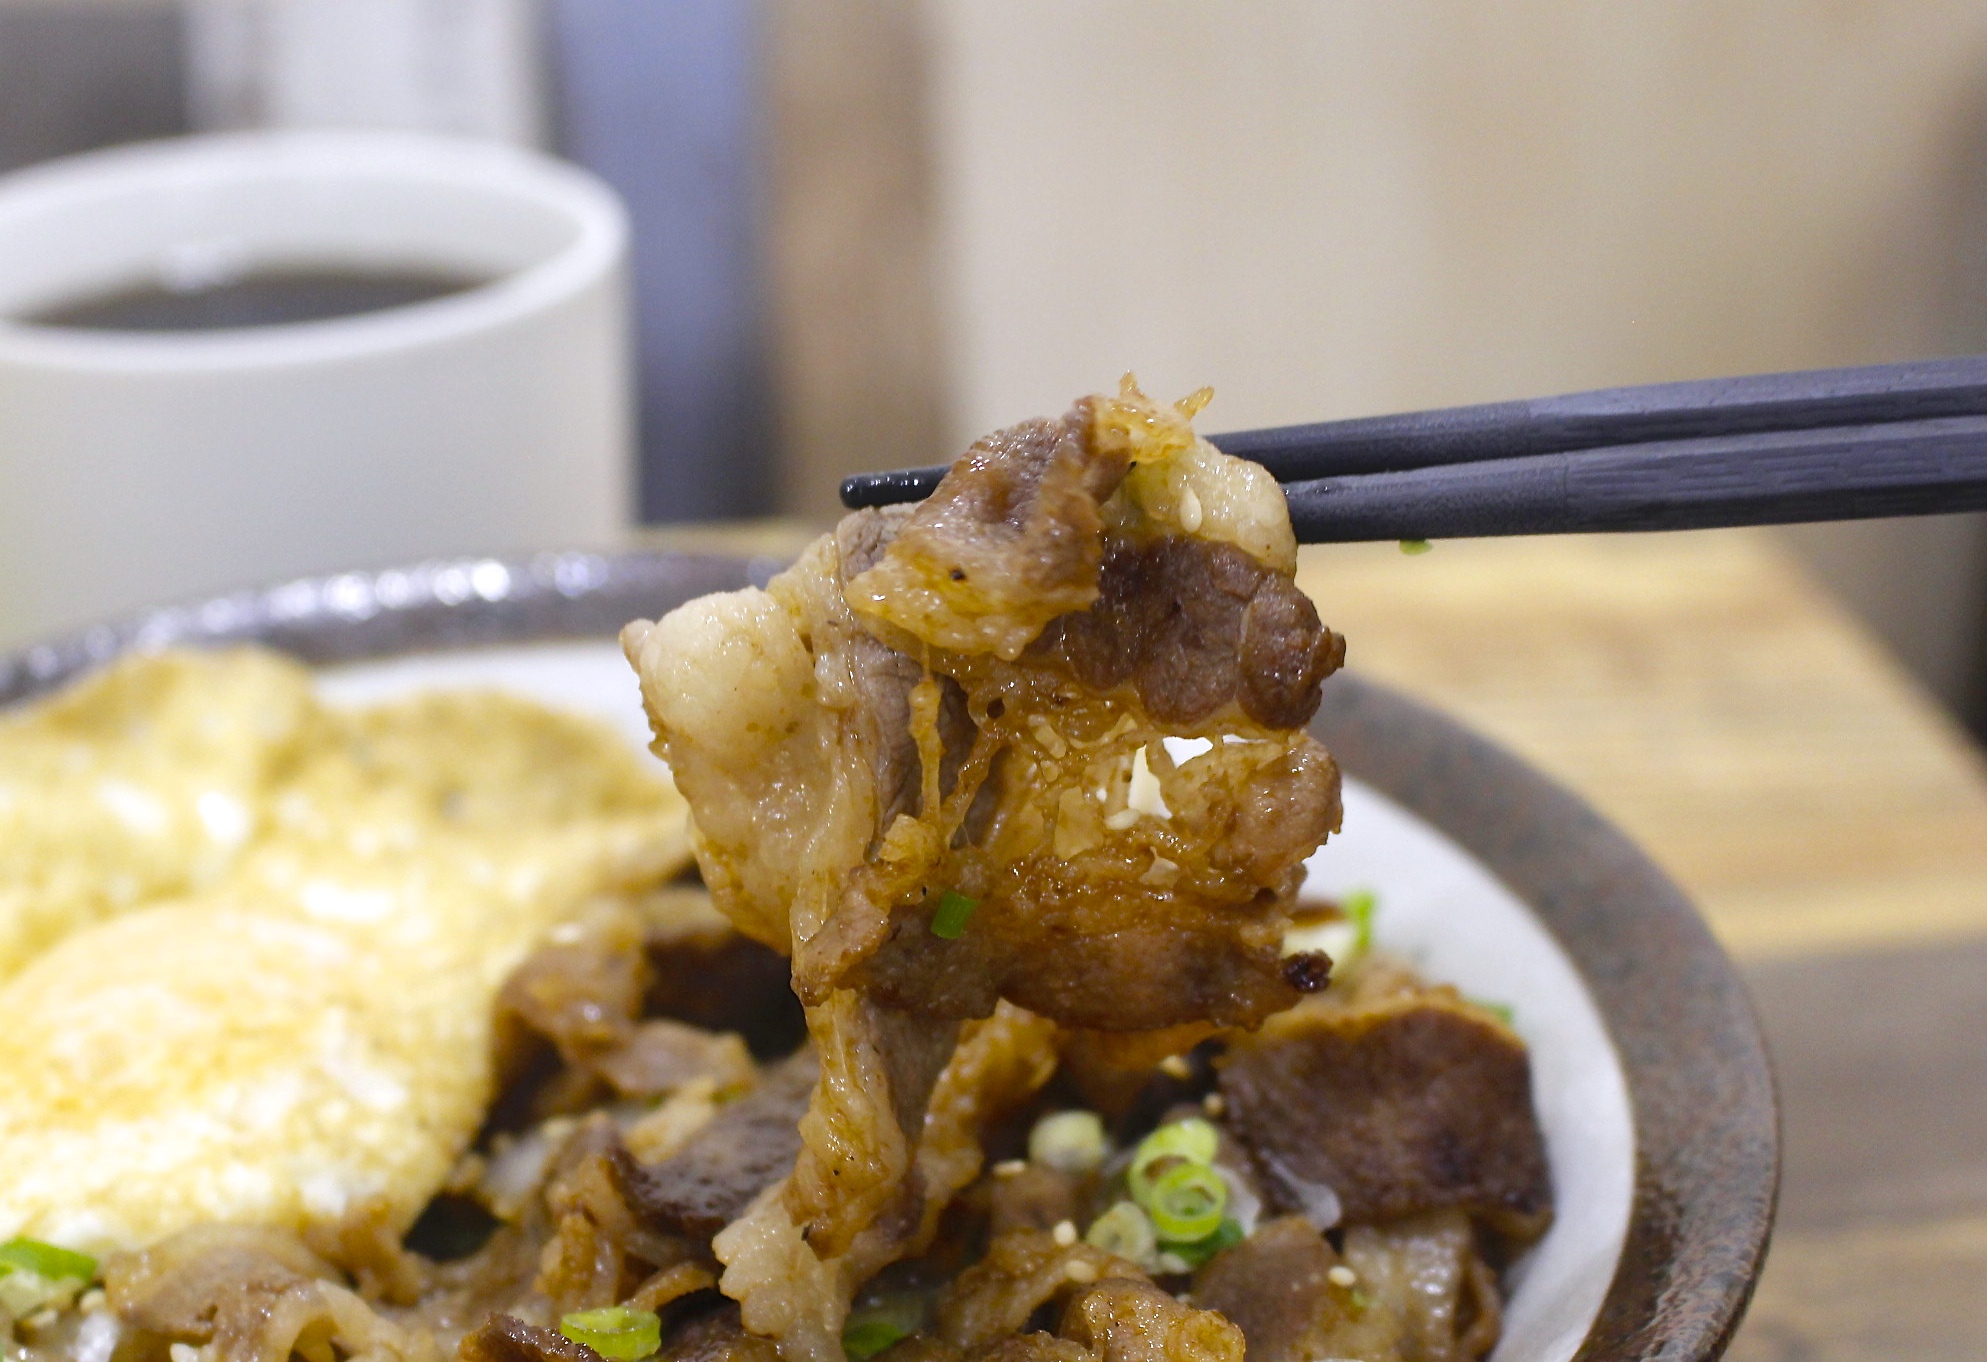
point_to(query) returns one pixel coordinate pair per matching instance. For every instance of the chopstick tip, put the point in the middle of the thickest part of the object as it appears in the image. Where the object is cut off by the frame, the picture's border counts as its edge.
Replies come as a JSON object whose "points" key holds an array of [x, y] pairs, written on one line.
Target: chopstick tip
{"points": [[887, 489]]}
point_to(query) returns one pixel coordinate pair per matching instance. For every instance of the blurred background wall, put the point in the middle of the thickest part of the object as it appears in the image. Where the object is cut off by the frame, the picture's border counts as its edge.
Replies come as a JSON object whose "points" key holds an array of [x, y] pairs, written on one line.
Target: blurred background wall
{"points": [[868, 230], [1333, 209]]}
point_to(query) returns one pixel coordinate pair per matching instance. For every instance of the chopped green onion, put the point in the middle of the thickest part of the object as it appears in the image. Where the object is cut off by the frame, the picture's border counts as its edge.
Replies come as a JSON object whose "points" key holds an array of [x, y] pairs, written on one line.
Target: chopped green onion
{"points": [[1069, 1141], [863, 1339], [46, 1261], [954, 908], [1502, 1011], [1126, 1231], [615, 1331], [1187, 1203], [1411, 547], [1226, 1236], [883, 1321], [1359, 906], [1190, 1141]]}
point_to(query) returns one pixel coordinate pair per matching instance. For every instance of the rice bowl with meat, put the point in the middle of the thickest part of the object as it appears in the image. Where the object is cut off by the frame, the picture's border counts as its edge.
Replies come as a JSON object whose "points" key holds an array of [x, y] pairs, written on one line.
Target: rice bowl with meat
{"points": [[996, 1023]]}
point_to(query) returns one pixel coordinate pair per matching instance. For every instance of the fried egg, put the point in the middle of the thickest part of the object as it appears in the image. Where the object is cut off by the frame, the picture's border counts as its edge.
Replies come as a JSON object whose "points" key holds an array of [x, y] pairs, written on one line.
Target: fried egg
{"points": [[144, 782], [281, 1024]]}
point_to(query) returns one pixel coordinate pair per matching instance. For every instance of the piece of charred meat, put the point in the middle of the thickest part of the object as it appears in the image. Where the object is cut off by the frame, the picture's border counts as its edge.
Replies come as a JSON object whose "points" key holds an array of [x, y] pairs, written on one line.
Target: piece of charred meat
{"points": [[573, 1026], [602, 1251], [1279, 1288], [1415, 1290], [1381, 1110], [703, 973], [747, 1147]]}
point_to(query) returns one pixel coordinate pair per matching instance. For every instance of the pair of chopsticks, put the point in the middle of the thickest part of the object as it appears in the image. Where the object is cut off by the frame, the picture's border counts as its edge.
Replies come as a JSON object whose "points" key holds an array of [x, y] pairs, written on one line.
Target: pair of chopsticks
{"points": [[1827, 444]]}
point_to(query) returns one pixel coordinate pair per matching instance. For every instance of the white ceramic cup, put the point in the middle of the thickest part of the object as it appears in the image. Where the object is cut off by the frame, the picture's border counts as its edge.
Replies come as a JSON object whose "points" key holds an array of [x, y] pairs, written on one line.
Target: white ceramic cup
{"points": [[138, 467]]}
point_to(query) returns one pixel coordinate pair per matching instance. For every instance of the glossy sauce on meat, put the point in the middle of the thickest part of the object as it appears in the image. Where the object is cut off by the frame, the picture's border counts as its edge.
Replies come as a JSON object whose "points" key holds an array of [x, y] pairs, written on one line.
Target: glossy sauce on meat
{"points": [[979, 698], [1002, 804]]}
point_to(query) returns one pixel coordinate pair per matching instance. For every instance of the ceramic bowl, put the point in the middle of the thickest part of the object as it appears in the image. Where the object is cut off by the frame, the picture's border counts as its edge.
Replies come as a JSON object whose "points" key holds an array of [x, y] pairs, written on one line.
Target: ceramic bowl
{"points": [[1649, 1073]]}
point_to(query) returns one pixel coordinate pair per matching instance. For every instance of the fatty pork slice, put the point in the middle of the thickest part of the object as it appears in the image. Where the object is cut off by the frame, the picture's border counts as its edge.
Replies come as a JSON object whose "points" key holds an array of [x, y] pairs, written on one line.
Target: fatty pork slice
{"points": [[972, 700]]}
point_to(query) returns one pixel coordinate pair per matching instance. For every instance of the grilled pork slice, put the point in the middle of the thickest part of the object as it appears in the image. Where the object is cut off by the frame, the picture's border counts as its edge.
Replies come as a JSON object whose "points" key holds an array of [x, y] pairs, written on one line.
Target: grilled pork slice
{"points": [[1035, 744]]}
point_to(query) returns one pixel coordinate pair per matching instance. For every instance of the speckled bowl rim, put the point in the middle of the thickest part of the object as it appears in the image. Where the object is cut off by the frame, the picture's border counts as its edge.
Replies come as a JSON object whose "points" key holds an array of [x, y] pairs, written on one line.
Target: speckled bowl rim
{"points": [[1706, 1124]]}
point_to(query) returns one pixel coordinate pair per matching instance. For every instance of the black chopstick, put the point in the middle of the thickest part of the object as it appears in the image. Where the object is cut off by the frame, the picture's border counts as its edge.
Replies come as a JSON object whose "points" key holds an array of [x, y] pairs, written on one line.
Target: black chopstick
{"points": [[1897, 468], [1808, 400]]}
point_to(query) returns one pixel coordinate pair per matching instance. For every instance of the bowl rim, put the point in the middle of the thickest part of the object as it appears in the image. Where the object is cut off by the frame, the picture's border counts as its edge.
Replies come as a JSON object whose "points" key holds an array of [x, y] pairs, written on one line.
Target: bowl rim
{"points": [[1700, 1085], [1706, 1124]]}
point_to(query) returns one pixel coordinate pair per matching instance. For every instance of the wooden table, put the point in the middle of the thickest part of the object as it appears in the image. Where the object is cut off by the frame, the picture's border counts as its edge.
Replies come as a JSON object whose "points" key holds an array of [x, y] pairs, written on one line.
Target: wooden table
{"points": [[1827, 817]]}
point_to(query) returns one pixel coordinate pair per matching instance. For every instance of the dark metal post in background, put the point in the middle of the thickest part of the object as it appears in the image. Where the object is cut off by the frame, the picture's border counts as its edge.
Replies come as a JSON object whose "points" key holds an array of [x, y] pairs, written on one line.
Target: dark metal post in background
{"points": [[664, 101], [73, 77]]}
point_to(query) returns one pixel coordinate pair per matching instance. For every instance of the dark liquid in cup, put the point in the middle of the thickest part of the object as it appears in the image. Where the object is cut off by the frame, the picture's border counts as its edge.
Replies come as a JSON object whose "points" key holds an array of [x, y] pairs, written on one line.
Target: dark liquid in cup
{"points": [[263, 298]]}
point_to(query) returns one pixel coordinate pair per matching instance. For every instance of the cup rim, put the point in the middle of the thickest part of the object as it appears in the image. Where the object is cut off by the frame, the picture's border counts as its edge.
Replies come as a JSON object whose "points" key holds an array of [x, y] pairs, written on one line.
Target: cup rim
{"points": [[597, 248]]}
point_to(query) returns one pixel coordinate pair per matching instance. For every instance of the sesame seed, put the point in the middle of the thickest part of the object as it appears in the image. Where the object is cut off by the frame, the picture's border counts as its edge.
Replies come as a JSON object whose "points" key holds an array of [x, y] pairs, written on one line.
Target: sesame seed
{"points": [[93, 1299], [1010, 1168], [1175, 1066], [1064, 1233], [1341, 1275], [1214, 1104], [1081, 1272]]}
